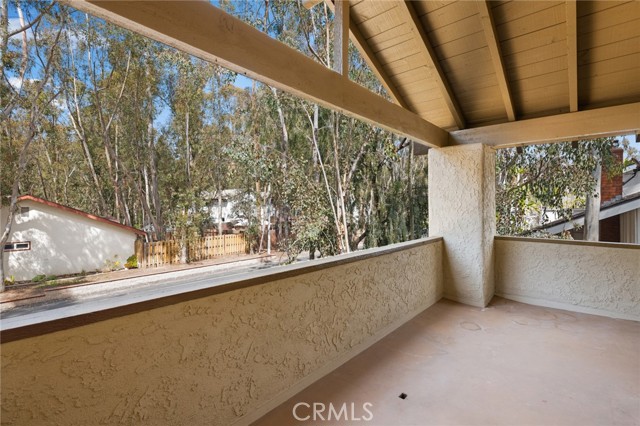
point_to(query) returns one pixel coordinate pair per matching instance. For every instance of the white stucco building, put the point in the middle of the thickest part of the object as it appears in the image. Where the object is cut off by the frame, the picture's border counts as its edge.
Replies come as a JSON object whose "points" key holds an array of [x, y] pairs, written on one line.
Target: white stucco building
{"points": [[52, 239]]}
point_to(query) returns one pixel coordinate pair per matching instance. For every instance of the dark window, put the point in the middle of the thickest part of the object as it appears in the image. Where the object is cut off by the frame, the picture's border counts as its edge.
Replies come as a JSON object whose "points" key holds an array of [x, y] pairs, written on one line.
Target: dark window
{"points": [[24, 210], [18, 246]]}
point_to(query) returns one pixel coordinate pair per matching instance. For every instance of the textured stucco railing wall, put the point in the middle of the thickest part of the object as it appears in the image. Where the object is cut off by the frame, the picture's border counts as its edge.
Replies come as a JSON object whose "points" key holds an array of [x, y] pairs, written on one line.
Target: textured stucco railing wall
{"points": [[221, 359], [598, 278]]}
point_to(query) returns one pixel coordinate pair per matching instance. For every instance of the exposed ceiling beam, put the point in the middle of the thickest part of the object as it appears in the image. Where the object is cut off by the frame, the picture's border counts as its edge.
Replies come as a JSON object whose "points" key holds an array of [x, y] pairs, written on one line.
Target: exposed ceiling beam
{"points": [[489, 27], [205, 31], [341, 38], [409, 15], [360, 42], [308, 4], [589, 124], [572, 53]]}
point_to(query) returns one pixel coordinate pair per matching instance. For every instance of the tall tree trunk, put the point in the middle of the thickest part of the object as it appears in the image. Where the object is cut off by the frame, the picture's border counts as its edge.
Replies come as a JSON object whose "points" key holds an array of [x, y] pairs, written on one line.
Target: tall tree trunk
{"points": [[314, 132], [592, 213], [119, 201], [42, 183], [314, 140], [342, 212], [412, 231], [4, 27], [282, 212], [219, 209], [153, 166], [283, 128], [78, 126], [186, 135]]}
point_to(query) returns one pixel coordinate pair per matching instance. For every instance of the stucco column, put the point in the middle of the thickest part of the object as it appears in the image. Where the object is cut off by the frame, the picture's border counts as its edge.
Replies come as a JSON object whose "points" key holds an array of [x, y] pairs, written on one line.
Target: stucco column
{"points": [[462, 211]]}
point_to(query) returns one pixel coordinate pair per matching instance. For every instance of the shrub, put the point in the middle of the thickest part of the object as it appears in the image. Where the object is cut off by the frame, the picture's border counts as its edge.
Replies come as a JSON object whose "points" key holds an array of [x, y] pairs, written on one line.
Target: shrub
{"points": [[132, 262], [43, 278], [112, 265]]}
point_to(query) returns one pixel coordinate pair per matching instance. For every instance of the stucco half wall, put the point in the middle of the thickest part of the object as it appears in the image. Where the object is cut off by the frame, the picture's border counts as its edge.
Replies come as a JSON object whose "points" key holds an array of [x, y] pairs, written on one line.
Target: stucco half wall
{"points": [[596, 278], [63, 242], [223, 359]]}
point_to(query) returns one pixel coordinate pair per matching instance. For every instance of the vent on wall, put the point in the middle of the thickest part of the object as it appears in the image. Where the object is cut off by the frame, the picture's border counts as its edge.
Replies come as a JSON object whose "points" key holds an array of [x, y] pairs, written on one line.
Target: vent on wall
{"points": [[18, 246]]}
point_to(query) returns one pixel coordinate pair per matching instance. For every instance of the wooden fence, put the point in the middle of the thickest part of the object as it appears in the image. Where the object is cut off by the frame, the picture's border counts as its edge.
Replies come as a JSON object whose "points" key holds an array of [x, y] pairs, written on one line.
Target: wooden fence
{"points": [[168, 252]]}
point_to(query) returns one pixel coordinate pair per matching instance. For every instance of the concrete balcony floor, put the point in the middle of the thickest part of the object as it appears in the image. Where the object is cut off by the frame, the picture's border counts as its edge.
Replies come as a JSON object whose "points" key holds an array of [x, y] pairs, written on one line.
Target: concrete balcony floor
{"points": [[507, 364]]}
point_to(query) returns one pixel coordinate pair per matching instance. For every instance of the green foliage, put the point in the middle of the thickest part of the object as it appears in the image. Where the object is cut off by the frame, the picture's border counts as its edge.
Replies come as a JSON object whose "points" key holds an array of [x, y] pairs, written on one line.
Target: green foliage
{"points": [[132, 262], [112, 264], [43, 278], [65, 282], [542, 178]]}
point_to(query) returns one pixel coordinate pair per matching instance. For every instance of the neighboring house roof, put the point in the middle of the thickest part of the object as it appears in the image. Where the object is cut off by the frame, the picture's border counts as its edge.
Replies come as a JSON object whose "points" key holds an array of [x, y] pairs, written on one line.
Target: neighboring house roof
{"points": [[612, 208], [631, 181], [80, 213]]}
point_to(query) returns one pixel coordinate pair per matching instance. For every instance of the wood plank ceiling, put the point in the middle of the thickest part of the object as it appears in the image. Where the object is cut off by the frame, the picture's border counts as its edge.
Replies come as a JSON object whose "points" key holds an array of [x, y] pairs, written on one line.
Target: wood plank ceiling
{"points": [[467, 64]]}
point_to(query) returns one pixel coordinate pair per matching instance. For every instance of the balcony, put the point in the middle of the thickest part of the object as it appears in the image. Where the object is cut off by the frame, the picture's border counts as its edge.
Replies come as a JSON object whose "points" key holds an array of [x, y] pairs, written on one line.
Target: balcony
{"points": [[230, 354], [559, 344]]}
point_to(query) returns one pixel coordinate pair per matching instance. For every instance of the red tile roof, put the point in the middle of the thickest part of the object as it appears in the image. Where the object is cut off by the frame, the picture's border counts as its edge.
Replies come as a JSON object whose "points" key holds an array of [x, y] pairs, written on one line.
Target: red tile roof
{"points": [[80, 213]]}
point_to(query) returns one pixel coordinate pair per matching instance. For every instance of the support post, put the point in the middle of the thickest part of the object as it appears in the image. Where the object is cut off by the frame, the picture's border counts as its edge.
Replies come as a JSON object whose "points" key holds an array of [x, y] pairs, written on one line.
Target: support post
{"points": [[341, 38], [462, 211], [139, 251]]}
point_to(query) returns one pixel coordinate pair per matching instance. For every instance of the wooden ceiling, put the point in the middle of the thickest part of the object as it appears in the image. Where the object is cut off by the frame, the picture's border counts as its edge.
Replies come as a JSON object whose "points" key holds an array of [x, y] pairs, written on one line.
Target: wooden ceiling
{"points": [[502, 73], [465, 64]]}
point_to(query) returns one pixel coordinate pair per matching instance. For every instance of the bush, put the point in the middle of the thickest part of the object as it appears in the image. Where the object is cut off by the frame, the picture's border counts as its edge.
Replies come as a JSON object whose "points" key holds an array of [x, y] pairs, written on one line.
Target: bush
{"points": [[43, 278], [132, 262], [112, 265]]}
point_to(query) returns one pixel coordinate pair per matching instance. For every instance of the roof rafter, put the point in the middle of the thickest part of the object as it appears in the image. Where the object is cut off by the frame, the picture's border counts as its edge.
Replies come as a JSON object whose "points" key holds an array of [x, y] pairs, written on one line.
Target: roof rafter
{"points": [[433, 65], [572, 53], [589, 124], [489, 27], [205, 31]]}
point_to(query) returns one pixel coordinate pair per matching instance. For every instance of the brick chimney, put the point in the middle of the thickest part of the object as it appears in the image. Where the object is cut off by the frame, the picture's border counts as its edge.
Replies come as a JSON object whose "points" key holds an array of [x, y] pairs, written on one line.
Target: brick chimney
{"points": [[610, 188]]}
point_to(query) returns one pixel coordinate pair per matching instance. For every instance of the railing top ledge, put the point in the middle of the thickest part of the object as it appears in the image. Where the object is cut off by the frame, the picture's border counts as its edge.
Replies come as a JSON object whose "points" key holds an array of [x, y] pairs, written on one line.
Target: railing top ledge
{"points": [[53, 321], [569, 242]]}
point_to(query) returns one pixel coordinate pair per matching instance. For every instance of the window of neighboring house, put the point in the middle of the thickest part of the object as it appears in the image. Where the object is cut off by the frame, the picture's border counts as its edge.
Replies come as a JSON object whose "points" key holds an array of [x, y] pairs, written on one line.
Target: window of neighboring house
{"points": [[24, 211], [18, 246]]}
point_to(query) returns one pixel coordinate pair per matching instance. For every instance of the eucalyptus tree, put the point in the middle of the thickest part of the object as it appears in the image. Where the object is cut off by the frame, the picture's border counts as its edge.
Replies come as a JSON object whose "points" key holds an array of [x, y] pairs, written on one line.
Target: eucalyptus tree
{"points": [[559, 177], [25, 106], [335, 152]]}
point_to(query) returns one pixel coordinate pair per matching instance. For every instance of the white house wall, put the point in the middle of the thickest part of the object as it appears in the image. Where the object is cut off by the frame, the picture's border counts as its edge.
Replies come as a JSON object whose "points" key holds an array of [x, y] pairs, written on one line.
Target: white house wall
{"points": [[63, 243]]}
